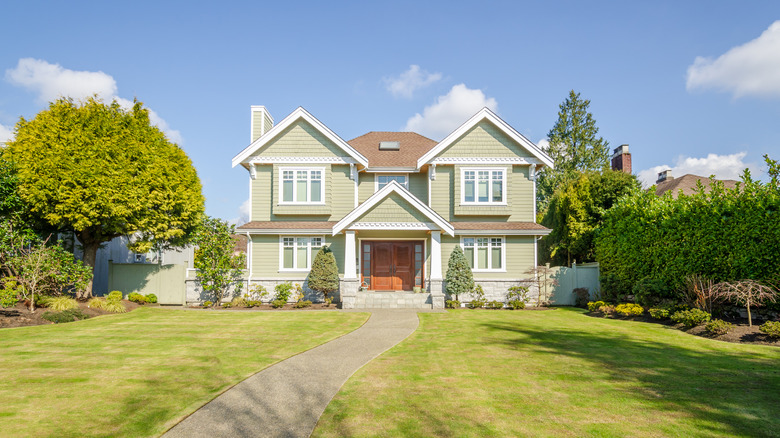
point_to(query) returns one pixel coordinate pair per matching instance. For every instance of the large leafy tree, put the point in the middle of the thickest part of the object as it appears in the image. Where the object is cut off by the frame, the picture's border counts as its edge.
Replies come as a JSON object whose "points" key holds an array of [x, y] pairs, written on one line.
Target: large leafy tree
{"points": [[102, 172], [574, 147], [218, 266], [575, 212]]}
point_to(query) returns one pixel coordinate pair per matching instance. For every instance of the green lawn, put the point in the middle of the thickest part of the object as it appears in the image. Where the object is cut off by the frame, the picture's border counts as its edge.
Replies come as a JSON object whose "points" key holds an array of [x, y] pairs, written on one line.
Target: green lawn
{"points": [[558, 373], [136, 374]]}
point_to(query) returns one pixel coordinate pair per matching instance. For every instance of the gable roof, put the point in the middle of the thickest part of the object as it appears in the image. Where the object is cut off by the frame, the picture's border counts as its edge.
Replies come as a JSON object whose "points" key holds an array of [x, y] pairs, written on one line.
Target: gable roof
{"points": [[296, 115], [486, 114], [413, 146], [384, 192], [687, 183]]}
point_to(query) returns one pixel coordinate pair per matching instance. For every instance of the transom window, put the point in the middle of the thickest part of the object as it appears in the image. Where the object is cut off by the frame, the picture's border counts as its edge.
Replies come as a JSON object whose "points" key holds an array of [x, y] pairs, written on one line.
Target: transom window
{"points": [[383, 180], [484, 253], [302, 186], [483, 186], [298, 252]]}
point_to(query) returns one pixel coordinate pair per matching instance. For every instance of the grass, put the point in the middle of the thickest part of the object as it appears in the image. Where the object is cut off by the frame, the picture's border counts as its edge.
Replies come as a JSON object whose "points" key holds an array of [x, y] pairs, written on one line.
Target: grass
{"points": [[558, 373], [136, 374]]}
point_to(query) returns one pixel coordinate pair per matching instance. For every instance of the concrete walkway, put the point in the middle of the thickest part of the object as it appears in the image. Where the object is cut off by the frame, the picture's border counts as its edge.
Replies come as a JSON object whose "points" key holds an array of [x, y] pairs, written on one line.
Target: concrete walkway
{"points": [[287, 399]]}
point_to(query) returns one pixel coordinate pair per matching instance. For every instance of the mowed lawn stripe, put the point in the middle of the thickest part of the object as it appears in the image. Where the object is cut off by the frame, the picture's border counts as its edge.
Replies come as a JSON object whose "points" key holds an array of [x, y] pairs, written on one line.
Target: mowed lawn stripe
{"points": [[558, 373], [135, 374]]}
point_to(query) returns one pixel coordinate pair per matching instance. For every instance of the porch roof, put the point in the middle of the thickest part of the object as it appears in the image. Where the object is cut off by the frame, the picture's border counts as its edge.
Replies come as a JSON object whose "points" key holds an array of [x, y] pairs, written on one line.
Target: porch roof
{"points": [[521, 228]]}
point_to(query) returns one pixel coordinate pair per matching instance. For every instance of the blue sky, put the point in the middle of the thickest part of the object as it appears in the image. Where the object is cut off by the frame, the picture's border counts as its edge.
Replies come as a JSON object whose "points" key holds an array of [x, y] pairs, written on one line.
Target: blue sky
{"points": [[692, 86]]}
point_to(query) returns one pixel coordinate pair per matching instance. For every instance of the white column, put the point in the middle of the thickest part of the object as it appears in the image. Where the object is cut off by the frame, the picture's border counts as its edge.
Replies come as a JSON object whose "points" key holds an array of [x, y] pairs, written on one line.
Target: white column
{"points": [[249, 255], [350, 268], [436, 255]]}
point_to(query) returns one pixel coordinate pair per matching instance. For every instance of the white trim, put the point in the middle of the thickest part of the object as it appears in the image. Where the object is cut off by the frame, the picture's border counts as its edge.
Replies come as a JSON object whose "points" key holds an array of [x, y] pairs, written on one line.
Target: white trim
{"points": [[533, 175], [490, 170], [287, 231], [355, 176], [309, 255], [377, 175], [308, 171], [489, 252], [391, 170], [481, 161], [504, 232], [435, 273], [350, 261], [486, 114], [249, 254], [431, 177], [374, 199], [249, 216], [422, 226], [301, 160], [299, 113]]}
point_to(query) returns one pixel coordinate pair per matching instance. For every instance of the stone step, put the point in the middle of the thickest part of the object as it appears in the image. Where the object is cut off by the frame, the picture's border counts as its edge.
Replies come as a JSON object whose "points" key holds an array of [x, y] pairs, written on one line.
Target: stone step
{"points": [[393, 300]]}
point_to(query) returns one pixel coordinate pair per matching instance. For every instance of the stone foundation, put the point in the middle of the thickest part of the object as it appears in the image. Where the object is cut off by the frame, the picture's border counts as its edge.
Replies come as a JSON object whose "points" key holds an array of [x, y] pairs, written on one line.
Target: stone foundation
{"points": [[349, 290], [195, 294], [496, 290]]}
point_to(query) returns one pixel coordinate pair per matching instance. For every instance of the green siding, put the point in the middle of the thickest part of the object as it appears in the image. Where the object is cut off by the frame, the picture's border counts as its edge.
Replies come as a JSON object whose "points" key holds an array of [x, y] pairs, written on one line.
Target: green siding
{"points": [[301, 140], [265, 256], [487, 210], [393, 209], [366, 186], [342, 192], [418, 185], [485, 140], [519, 257], [441, 192], [288, 211], [261, 194]]}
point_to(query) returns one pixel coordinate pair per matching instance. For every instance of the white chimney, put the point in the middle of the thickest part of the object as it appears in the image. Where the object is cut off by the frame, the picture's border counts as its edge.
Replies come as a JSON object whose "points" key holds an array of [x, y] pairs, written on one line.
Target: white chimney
{"points": [[665, 175]]}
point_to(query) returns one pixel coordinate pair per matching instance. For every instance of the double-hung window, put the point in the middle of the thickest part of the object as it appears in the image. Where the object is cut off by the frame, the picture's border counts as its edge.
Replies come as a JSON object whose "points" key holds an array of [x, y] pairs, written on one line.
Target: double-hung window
{"points": [[484, 253], [302, 186], [383, 180], [298, 252], [483, 186]]}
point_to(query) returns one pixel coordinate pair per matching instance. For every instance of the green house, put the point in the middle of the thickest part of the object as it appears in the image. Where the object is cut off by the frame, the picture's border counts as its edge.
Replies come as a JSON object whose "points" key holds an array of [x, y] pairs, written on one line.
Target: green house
{"points": [[392, 206]]}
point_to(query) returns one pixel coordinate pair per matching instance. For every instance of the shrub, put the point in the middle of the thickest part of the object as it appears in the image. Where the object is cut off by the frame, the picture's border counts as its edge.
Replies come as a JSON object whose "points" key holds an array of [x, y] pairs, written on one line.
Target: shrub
{"points": [[477, 303], [324, 274], [239, 302], [301, 304], [136, 298], [283, 291], [278, 304], [453, 304], [718, 327], [771, 328], [516, 304], [691, 318], [151, 298], [581, 297], [59, 304], [494, 305], [594, 306], [479, 297], [607, 309], [9, 295], [328, 301], [650, 291], [226, 305], [112, 306], [629, 309], [659, 313], [115, 296], [257, 292], [65, 316], [459, 278], [517, 293], [207, 304]]}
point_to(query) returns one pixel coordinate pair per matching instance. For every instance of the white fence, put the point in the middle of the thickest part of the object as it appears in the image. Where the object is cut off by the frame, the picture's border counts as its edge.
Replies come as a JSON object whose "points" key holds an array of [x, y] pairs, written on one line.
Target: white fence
{"points": [[585, 275]]}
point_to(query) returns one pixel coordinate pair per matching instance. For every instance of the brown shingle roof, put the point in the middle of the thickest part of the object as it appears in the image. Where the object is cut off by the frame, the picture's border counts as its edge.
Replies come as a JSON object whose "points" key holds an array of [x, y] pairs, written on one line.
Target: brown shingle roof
{"points": [[413, 146], [687, 183], [287, 225], [531, 226]]}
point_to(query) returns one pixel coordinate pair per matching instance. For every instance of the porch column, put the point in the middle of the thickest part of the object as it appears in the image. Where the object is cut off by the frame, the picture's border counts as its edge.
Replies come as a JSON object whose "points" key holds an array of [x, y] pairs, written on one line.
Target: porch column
{"points": [[436, 255], [350, 266]]}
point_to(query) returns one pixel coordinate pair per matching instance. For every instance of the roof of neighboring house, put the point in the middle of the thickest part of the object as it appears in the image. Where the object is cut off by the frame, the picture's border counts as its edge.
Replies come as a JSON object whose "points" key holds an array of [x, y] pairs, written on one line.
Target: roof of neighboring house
{"points": [[287, 225], [413, 146], [239, 243], [687, 183]]}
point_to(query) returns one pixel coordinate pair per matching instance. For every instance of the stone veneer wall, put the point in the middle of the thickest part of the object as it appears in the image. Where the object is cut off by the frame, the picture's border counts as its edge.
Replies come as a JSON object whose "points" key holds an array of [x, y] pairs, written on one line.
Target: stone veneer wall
{"points": [[496, 290], [195, 294]]}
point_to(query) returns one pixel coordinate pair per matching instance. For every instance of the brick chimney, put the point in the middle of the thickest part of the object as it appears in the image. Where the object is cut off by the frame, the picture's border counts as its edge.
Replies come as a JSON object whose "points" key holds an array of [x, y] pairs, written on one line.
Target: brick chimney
{"points": [[621, 159], [664, 176]]}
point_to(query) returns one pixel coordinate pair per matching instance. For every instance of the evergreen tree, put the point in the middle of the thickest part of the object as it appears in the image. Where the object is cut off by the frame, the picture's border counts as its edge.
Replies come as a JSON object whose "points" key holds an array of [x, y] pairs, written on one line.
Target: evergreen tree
{"points": [[574, 147], [459, 278], [324, 274]]}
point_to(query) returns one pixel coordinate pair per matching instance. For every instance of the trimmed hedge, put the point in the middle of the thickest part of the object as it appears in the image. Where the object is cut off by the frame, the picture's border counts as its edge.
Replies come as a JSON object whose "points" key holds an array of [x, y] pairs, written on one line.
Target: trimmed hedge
{"points": [[725, 235]]}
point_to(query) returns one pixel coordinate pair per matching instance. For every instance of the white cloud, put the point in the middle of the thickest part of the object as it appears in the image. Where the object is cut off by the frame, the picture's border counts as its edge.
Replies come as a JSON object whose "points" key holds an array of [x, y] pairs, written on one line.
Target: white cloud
{"points": [[544, 144], [449, 112], [52, 81], [410, 81], [243, 214], [750, 69], [722, 166], [6, 133]]}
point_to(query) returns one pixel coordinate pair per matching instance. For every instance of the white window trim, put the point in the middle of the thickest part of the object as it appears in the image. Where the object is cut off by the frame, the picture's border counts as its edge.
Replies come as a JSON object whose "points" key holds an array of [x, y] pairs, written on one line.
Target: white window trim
{"points": [[309, 254], [503, 171], [377, 175], [308, 185], [489, 253]]}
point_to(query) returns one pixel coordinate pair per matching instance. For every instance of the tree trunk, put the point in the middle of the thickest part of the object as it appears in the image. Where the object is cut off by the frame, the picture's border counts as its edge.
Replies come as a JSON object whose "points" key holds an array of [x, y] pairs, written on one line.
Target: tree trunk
{"points": [[90, 254], [750, 318]]}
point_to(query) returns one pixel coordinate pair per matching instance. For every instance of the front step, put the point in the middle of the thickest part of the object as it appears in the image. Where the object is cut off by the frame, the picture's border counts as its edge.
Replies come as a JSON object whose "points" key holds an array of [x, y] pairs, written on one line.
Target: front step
{"points": [[393, 300]]}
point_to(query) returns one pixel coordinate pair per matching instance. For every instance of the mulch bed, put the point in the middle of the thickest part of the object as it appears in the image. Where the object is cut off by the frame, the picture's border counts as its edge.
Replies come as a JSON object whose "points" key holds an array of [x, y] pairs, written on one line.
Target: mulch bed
{"points": [[741, 333], [20, 316]]}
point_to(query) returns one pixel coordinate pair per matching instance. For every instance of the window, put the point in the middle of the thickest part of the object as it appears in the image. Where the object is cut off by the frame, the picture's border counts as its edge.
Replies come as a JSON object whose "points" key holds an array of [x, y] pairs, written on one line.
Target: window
{"points": [[298, 252], [483, 186], [302, 186], [383, 180], [484, 253]]}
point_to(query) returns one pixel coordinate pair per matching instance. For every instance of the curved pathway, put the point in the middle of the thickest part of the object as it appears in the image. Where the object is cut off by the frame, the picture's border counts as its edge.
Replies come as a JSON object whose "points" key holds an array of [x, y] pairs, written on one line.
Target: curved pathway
{"points": [[287, 398]]}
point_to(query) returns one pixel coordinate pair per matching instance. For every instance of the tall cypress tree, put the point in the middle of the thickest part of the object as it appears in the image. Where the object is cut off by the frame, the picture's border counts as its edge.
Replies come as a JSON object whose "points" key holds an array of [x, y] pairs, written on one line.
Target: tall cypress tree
{"points": [[459, 278], [324, 274]]}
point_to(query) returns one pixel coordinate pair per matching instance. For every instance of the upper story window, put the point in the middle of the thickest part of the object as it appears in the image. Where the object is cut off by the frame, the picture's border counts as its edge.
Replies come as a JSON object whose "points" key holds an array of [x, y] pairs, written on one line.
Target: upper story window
{"points": [[302, 186], [484, 253], [383, 180], [483, 186]]}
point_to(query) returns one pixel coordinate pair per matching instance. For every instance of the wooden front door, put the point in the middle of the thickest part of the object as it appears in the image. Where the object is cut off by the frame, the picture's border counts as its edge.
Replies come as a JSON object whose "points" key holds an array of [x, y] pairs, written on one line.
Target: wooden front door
{"points": [[392, 266]]}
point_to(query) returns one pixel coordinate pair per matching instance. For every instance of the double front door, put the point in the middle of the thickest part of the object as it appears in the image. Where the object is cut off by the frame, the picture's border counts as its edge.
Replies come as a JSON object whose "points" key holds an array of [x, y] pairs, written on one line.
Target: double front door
{"points": [[392, 264]]}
